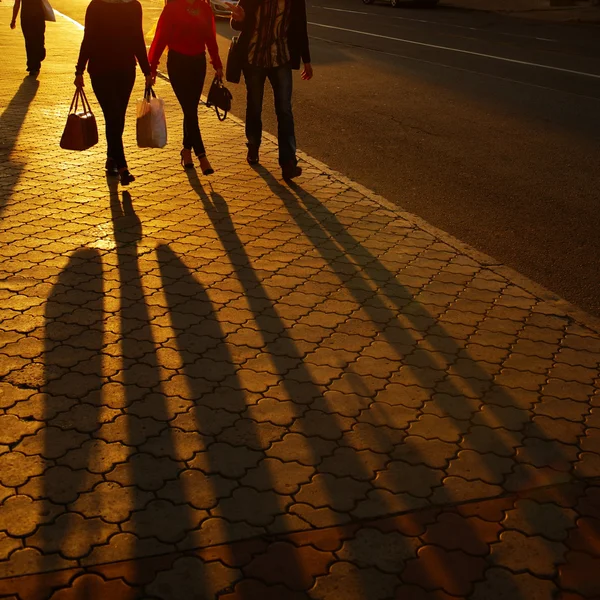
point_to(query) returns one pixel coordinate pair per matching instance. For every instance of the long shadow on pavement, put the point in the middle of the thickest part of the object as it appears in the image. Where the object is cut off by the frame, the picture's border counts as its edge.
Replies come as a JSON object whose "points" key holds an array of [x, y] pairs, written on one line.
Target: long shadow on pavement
{"points": [[73, 340], [280, 347], [11, 121], [159, 515], [402, 322]]}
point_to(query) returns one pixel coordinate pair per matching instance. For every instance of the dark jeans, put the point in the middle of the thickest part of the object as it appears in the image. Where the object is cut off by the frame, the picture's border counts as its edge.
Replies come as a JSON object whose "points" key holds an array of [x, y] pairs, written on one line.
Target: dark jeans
{"points": [[34, 30], [281, 82], [187, 75], [113, 90]]}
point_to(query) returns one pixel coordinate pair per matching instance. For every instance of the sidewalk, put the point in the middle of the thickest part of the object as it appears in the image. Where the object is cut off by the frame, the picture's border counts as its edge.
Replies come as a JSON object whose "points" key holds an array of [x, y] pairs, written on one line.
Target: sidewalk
{"points": [[233, 388]]}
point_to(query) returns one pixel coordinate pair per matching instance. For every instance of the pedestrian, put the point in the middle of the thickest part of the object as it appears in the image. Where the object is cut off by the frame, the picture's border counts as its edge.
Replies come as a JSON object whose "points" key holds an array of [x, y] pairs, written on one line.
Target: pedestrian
{"points": [[187, 28], [112, 41], [33, 25], [272, 42]]}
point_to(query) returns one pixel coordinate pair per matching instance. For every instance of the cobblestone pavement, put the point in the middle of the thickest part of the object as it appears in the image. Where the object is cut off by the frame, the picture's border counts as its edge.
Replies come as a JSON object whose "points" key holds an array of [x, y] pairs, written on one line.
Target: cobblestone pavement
{"points": [[233, 388]]}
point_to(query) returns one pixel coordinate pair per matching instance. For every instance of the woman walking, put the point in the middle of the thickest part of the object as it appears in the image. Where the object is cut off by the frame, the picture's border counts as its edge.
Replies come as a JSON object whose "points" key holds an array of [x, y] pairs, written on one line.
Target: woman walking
{"points": [[187, 28], [33, 25], [112, 42]]}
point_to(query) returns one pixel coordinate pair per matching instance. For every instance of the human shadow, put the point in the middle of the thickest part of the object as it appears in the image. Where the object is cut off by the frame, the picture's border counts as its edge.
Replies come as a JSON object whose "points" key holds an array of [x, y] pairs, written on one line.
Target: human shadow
{"points": [[72, 399], [457, 386], [304, 396], [235, 444], [157, 507], [410, 316], [11, 122]]}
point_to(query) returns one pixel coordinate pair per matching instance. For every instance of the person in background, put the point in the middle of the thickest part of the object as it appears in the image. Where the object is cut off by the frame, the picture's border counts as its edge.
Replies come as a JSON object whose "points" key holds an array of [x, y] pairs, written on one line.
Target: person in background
{"points": [[33, 25], [272, 42], [112, 42], [187, 28]]}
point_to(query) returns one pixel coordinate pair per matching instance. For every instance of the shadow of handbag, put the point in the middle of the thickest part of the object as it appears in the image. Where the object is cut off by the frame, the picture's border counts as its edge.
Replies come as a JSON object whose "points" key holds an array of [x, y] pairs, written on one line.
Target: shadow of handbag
{"points": [[219, 97], [233, 69], [81, 131]]}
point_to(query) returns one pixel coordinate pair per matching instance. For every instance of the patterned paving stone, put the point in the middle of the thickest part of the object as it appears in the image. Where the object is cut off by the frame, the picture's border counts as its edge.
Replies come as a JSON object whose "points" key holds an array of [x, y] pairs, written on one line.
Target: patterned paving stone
{"points": [[456, 577], [580, 574], [295, 567], [547, 520], [386, 551], [16, 468], [348, 581], [453, 532], [192, 578], [94, 586], [516, 552], [501, 584]]}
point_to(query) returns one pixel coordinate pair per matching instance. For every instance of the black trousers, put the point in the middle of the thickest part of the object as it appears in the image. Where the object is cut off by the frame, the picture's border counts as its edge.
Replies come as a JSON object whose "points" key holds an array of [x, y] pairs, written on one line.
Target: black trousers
{"points": [[34, 30], [187, 75], [113, 90]]}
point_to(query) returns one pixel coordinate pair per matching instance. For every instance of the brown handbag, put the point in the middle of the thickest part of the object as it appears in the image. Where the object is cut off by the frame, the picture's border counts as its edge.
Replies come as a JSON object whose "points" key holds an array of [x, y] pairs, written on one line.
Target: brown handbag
{"points": [[81, 131]]}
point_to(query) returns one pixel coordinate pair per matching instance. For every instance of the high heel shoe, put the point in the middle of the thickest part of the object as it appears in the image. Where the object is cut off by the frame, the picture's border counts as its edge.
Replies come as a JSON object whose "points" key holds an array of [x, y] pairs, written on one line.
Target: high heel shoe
{"points": [[205, 165], [125, 177], [186, 159]]}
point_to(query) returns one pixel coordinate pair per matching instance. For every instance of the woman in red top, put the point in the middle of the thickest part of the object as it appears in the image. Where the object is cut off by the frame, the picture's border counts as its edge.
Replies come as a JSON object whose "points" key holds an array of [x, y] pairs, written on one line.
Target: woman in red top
{"points": [[187, 27]]}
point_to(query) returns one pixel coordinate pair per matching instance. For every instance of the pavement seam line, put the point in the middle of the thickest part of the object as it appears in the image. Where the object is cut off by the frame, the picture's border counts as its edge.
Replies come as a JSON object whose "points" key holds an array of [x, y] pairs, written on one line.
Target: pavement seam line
{"points": [[273, 537]]}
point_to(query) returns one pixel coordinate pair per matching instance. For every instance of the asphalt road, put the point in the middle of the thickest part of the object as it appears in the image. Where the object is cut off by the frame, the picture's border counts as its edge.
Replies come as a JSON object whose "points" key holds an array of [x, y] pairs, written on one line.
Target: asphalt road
{"points": [[486, 127]]}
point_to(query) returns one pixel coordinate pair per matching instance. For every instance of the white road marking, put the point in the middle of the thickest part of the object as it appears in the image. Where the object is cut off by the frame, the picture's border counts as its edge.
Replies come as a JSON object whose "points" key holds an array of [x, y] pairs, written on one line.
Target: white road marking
{"points": [[370, 14], [76, 23], [459, 51], [461, 69]]}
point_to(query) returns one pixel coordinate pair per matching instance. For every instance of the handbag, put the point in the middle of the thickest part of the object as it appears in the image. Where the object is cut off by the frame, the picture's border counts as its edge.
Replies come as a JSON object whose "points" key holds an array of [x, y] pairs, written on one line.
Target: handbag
{"points": [[233, 69], [81, 131], [219, 97], [151, 123], [48, 11]]}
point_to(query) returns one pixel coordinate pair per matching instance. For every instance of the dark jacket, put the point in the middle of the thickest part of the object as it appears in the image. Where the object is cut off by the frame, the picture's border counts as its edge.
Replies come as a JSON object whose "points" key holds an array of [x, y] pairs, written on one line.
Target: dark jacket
{"points": [[297, 32], [113, 38], [32, 10]]}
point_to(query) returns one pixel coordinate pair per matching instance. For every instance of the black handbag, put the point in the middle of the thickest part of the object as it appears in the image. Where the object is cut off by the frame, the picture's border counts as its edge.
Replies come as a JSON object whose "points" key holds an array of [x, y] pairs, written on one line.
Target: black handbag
{"points": [[219, 97], [233, 69], [81, 131]]}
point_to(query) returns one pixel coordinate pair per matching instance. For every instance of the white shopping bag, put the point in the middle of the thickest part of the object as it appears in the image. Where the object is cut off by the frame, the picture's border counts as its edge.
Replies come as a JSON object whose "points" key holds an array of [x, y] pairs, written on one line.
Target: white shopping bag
{"points": [[151, 125]]}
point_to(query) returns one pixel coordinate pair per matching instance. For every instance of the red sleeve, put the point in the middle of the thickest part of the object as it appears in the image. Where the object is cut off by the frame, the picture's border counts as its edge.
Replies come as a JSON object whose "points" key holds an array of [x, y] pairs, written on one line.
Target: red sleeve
{"points": [[211, 41], [159, 43]]}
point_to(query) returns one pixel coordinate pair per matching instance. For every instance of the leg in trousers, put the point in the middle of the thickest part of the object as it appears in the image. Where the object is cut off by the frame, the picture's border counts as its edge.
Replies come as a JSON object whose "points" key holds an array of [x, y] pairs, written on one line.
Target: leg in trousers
{"points": [[255, 78], [281, 82], [34, 33], [113, 91], [187, 75]]}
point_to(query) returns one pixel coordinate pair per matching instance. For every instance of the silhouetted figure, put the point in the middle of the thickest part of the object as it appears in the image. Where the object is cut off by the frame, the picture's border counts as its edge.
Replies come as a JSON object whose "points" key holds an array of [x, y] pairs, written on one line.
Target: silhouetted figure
{"points": [[33, 25], [187, 28], [112, 42], [273, 41]]}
